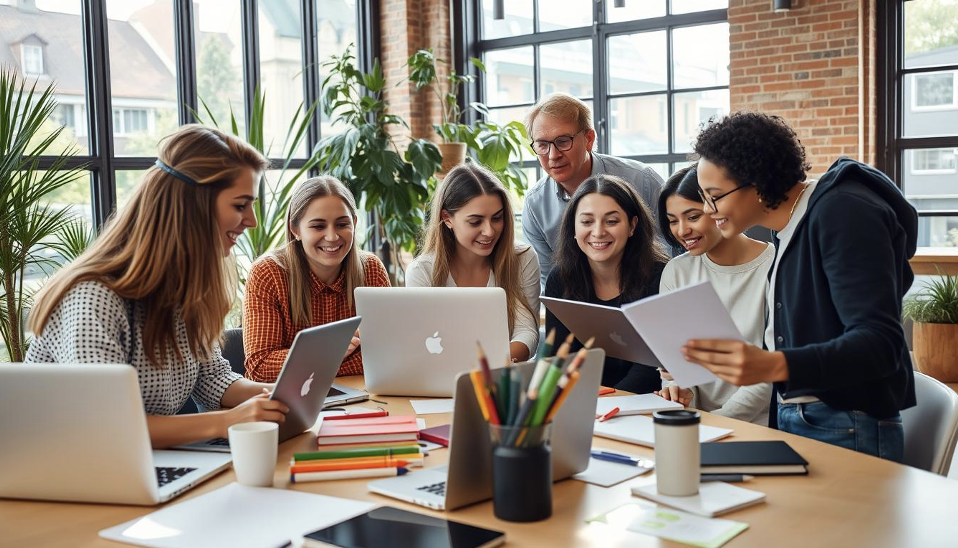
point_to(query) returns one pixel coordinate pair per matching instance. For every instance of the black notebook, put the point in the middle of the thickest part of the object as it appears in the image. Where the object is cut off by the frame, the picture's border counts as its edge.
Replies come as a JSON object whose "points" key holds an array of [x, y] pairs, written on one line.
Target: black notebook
{"points": [[387, 526], [759, 458]]}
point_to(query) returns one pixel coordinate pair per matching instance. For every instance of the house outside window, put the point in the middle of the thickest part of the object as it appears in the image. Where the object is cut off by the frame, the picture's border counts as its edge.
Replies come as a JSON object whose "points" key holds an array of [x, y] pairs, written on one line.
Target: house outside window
{"points": [[32, 59]]}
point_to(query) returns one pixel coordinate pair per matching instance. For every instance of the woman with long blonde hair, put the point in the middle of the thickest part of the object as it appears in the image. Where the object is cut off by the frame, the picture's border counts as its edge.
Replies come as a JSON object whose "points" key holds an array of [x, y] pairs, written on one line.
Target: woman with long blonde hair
{"points": [[154, 288], [470, 242], [309, 281]]}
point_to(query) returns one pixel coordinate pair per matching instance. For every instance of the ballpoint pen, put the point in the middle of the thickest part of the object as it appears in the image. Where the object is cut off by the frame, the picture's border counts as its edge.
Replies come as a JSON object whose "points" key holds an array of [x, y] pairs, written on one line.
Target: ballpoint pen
{"points": [[622, 459]]}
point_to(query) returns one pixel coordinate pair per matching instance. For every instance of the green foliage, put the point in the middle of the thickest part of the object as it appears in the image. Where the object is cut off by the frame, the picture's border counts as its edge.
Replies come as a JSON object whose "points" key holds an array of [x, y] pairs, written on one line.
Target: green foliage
{"points": [[73, 239], [26, 217], [498, 147], [937, 303], [930, 25], [276, 186], [217, 76], [364, 156]]}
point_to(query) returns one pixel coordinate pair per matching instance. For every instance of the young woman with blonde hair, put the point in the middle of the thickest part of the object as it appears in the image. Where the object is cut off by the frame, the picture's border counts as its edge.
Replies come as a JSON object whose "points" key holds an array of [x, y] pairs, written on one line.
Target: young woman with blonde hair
{"points": [[309, 281], [154, 288], [470, 242]]}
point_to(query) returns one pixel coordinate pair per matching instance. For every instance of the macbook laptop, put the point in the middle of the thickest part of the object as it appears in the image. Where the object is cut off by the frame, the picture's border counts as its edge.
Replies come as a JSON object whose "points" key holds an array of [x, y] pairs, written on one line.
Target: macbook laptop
{"points": [[305, 382], [79, 434], [608, 324], [417, 339], [468, 476]]}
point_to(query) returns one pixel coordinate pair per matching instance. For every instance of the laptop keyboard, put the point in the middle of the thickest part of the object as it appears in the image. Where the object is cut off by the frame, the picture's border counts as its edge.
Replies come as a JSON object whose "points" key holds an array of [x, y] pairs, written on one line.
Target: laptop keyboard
{"points": [[166, 474], [218, 441], [438, 489]]}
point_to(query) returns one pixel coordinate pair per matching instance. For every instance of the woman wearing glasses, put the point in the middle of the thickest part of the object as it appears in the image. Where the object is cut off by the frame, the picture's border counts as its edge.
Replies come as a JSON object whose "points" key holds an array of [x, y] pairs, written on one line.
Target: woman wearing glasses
{"points": [[737, 268], [607, 254], [563, 139], [835, 346]]}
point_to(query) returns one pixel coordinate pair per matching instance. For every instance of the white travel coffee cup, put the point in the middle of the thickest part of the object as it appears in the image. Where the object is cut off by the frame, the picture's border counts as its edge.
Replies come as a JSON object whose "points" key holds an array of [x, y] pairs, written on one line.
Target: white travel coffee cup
{"points": [[254, 446], [677, 459]]}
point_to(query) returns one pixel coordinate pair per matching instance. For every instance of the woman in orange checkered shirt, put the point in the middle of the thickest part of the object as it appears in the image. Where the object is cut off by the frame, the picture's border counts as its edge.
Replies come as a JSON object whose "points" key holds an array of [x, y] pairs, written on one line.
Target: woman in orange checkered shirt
{"points": [[309, 281]]}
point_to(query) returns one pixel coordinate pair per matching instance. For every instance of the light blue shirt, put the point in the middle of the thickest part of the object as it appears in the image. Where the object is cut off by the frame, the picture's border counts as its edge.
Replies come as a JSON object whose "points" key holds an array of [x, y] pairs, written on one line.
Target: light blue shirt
{"points": [[546, 201]]}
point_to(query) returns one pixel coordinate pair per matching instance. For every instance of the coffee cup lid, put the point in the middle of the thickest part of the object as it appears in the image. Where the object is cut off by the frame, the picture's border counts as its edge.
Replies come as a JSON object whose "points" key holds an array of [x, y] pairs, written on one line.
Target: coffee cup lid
{"points": [[676, 417]]}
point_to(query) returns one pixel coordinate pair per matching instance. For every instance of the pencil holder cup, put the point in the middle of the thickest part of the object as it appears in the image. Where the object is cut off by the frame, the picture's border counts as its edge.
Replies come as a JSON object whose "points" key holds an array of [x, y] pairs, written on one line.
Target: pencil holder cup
{"points": [[521, 472]]}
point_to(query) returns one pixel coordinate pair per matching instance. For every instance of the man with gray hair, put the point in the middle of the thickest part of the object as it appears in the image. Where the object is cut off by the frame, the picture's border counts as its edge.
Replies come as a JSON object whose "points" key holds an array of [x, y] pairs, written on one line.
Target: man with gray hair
{"points": [[563, 138]]}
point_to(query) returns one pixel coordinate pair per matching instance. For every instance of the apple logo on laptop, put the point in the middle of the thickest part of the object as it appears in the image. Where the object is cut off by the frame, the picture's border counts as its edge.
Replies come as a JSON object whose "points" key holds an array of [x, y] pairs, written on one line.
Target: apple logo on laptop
{"points": [[305, 389], [617, 339], [434, 344]]}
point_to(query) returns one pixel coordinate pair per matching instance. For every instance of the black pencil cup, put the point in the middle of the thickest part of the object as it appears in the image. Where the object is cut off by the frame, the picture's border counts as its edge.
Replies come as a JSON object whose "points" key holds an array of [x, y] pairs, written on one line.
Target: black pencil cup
{"points": [[521, 472]]}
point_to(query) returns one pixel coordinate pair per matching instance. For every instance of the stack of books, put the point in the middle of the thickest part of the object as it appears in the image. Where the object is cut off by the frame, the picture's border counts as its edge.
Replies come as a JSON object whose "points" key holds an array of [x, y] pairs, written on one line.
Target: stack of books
{"points": [[360, 448]]}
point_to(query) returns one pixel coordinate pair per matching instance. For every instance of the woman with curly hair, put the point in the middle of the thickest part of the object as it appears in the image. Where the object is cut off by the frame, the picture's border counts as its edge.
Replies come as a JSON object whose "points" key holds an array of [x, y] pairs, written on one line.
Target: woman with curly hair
{"points": [[835, 345], [607, 254]]}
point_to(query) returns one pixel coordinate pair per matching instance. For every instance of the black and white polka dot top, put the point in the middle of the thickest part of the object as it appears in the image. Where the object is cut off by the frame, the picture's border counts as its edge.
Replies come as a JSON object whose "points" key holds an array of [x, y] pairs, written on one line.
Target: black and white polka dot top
{"points": [[92, 325]]}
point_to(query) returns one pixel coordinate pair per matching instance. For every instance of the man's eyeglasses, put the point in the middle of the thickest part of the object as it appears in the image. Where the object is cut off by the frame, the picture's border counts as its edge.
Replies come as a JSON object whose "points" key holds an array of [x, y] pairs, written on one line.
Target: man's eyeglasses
{"points": [[710, 200], [562, 143]]}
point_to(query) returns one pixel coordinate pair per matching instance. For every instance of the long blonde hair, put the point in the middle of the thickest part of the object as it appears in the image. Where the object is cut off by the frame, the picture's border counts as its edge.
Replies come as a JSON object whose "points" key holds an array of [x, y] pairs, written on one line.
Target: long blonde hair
{"points": [[463, 183], [164, 249], [293, 259]]}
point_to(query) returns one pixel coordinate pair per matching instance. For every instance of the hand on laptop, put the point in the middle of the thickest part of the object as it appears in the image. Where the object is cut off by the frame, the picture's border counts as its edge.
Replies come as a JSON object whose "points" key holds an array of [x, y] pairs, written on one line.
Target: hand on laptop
{"points": [[257, 408], [353, 344]]}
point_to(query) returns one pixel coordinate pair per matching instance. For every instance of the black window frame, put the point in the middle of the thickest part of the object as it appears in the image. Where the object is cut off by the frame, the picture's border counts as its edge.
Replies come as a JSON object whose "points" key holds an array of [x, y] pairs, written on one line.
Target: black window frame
{"points": [[890, 78], [468, 43], [101, 161]]}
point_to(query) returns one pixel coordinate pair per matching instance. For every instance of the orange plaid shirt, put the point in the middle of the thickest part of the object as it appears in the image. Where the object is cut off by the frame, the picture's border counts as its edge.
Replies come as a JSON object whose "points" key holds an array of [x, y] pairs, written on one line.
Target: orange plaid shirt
{"points": [[268, 329]]}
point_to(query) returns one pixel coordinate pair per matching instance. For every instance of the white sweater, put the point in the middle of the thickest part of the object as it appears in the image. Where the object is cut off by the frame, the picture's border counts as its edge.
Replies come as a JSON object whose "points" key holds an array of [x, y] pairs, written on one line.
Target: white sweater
{"points": [[742, 290], [526, 328]]}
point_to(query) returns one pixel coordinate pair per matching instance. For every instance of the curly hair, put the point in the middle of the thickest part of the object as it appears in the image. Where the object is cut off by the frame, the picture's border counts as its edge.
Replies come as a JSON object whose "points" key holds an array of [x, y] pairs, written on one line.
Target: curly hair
{"points": [[755, 149]]}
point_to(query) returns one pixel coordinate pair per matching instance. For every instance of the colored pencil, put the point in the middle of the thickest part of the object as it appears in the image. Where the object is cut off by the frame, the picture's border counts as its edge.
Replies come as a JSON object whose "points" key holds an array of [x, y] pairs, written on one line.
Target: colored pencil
{"points": [[502, 397], [476, 378], [546, 391], [381, 463], [484, 365], [547, 346], [561, 396], [346, 474], [514, 393], [357, 453]]}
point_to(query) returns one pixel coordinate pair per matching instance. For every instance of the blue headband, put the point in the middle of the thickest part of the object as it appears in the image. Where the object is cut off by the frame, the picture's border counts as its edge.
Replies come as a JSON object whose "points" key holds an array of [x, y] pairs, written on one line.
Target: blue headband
{"points": [[179, 175]]}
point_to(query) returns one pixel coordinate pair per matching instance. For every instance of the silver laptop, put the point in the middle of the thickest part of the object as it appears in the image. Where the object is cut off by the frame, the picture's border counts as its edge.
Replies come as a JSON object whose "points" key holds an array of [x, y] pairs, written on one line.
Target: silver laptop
{"points": [[305, 382], [79, 434], [608, 324], [468, 476], [417, 339]]}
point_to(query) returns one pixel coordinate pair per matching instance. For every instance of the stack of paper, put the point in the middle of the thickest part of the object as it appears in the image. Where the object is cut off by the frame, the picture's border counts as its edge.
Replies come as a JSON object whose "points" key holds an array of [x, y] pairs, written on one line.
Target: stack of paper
{"points": [[391, 429], [639, 404], [714, 498], [237, 516], [640, 430]]}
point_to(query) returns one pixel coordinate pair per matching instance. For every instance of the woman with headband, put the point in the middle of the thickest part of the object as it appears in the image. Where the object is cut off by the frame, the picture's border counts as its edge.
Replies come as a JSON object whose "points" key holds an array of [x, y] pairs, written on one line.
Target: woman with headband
{"points": [[154, 288]]}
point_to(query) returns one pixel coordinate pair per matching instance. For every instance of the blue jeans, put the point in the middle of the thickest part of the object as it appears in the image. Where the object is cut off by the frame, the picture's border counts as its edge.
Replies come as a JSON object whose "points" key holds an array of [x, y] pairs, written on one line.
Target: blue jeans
{"points": [[855, 430]]}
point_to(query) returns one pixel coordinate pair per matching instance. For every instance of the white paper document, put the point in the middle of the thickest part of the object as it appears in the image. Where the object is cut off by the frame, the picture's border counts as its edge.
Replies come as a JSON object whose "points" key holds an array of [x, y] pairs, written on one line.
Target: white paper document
{"points": [[237, 516], [640, 430], [714, 498], [433, 406], [668, 320], [606, 473], [639, 404], [671, 525]]}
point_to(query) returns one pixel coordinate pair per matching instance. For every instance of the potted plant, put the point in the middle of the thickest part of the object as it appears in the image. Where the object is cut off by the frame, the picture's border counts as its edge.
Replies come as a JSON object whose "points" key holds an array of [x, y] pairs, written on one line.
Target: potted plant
{"points": [[498, 147], [27, 219], [393, 184], [934, 312]]}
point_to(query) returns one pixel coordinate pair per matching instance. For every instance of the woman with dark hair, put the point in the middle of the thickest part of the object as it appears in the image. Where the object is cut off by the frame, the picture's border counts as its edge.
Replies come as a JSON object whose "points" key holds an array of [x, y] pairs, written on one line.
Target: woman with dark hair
{"points": [[607, 254], [737, 267], [835, 345], [470, 242]]}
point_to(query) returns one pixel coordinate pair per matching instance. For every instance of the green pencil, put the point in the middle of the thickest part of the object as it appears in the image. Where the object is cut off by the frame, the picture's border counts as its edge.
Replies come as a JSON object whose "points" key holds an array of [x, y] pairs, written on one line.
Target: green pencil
{"points": [[546, 391]]}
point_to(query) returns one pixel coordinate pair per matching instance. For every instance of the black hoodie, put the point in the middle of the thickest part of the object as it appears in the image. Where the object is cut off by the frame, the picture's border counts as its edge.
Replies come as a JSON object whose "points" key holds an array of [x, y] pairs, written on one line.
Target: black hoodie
{"points": [[839, 290]]}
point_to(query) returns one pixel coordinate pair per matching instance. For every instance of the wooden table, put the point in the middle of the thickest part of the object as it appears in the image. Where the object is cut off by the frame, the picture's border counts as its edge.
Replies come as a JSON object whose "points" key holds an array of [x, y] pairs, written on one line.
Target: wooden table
{"points": [[847, 499]]}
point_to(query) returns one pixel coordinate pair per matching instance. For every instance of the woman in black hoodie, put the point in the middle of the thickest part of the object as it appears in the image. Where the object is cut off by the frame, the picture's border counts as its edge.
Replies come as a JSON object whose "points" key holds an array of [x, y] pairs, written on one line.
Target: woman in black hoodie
{"points": [[835, 347]]}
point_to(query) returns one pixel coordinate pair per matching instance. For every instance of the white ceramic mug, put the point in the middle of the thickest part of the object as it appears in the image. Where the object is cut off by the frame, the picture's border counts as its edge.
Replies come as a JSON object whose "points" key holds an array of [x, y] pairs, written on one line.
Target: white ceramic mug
{"points": [[677, 458], [254, 446]]}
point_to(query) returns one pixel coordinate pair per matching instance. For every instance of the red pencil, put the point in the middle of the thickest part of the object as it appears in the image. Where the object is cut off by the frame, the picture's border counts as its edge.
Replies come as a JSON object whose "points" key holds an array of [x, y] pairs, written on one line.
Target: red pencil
{"points": [[609, 415]]}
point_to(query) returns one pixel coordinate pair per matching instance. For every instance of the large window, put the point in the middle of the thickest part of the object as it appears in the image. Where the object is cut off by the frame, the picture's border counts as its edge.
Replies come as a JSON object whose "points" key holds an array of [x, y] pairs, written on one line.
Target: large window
{"points": [[918, 87], [163, 60], [652, 71]]}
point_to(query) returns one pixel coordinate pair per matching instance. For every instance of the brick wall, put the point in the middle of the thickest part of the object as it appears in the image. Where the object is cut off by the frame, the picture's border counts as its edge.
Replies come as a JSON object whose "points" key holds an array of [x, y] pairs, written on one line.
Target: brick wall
{"points": [[407, 26], [814, 66]]}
